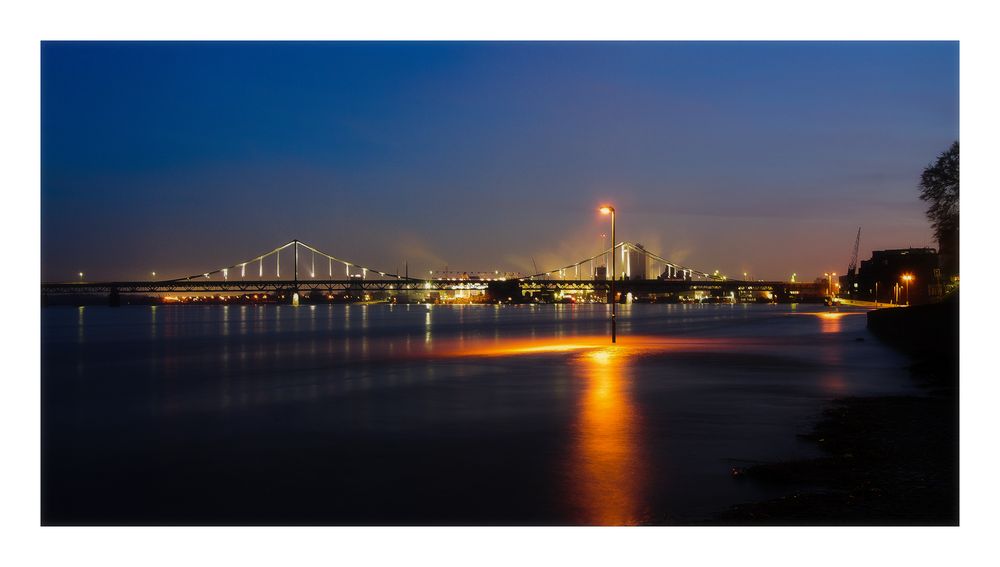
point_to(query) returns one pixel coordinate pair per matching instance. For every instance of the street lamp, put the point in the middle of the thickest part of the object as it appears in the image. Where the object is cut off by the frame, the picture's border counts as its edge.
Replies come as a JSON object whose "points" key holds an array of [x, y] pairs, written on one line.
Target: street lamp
{"points": [[906, 279], [81, 276], [609, 210]]}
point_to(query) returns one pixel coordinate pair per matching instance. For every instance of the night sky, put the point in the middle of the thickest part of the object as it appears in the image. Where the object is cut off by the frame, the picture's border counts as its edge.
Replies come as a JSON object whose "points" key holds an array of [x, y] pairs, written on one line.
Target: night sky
{"points": [[743, 157]]}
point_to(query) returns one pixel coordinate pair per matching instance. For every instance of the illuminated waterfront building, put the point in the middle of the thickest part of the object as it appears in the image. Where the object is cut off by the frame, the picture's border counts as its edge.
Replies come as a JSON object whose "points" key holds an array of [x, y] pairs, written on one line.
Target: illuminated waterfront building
{"points": [[886, 268]]}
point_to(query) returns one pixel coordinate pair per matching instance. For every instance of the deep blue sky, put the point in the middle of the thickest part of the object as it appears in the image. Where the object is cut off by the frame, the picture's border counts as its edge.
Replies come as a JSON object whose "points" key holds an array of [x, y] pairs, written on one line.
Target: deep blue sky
{"points": [[759, 157]]}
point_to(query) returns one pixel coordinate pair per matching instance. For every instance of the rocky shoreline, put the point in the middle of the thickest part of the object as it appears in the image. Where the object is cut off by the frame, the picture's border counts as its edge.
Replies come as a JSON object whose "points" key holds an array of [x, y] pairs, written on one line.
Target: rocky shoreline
{"points": [[888, 460]]}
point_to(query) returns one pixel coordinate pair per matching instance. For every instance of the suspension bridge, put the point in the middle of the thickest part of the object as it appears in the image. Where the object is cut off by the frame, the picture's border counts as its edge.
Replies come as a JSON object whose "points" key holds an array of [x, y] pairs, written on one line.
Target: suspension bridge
{"points": [[296, 268]]}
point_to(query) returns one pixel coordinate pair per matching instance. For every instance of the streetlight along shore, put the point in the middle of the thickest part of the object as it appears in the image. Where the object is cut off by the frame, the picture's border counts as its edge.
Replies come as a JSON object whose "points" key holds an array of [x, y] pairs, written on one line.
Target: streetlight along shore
{"points": [[605, 210]]}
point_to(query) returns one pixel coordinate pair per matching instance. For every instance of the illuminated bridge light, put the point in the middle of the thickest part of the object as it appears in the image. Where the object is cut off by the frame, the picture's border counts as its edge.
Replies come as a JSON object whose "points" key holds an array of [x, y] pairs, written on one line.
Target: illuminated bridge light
{"points": [[479, 282]]}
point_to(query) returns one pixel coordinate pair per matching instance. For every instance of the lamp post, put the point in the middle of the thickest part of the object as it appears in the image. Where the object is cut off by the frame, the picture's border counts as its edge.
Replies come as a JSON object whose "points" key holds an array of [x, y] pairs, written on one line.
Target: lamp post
{"points": [[906, 279], [609, 210]]}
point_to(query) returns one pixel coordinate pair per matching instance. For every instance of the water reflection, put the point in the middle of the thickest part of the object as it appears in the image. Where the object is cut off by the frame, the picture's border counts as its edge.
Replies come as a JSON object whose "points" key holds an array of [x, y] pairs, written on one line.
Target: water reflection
{"points": [[606, 470], [832, 382], [630, 346], [576, 431], [830, 322], [79, 324]]}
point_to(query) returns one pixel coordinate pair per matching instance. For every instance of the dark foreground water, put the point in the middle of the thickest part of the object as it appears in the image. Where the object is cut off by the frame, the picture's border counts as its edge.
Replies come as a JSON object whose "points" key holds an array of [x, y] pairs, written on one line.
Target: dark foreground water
{"points": [[381, 414]]}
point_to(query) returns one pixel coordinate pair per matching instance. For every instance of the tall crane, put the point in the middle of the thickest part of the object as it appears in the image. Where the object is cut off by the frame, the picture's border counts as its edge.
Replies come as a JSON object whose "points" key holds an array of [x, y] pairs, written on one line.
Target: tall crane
{"points": [[852, 268]]}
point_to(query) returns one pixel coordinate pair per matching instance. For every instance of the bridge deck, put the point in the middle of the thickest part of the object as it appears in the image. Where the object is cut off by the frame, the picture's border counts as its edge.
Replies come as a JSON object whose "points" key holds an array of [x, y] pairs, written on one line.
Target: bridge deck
{"points": [[415, 285]]}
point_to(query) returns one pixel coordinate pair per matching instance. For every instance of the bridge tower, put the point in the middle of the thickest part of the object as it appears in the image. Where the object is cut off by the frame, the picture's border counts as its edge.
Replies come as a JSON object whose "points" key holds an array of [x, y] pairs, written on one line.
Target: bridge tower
{"points": [[293, 294]]}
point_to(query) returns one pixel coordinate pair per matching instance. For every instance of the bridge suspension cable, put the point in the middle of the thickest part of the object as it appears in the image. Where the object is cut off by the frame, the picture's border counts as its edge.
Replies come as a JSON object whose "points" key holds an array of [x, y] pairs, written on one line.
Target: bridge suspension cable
{"points": [[348, 265], [276, 252]]}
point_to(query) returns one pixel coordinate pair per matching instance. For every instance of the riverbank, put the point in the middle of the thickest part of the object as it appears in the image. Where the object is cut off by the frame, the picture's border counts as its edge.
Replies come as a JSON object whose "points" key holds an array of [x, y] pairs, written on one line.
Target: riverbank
{"points": [[888, 460]]}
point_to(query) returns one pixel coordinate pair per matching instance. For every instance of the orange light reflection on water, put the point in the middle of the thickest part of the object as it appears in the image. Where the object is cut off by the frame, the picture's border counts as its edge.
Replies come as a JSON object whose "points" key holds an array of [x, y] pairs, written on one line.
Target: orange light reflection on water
{"points": [[830, 321], [524, 347], [607, 472], [608, 478], [832, 381]]}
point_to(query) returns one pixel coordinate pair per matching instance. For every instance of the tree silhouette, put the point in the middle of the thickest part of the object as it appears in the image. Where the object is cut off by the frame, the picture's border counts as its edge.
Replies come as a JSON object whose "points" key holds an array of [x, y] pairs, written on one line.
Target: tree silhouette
{"points": [[939, 187]]}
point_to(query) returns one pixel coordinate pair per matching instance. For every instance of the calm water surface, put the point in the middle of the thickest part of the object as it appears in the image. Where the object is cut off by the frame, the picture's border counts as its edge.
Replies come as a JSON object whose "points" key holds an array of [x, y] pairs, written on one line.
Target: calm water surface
{"points": [[380, 414]]}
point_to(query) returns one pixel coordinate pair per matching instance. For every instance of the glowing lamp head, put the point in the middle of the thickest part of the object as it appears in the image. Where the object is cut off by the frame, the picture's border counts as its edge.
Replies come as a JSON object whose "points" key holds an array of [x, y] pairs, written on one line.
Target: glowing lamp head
{"points": [[607, 210]]}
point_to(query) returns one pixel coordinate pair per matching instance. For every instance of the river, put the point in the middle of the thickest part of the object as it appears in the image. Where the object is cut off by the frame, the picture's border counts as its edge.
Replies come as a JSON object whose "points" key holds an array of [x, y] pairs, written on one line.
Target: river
{"points": [[435, 415]]}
